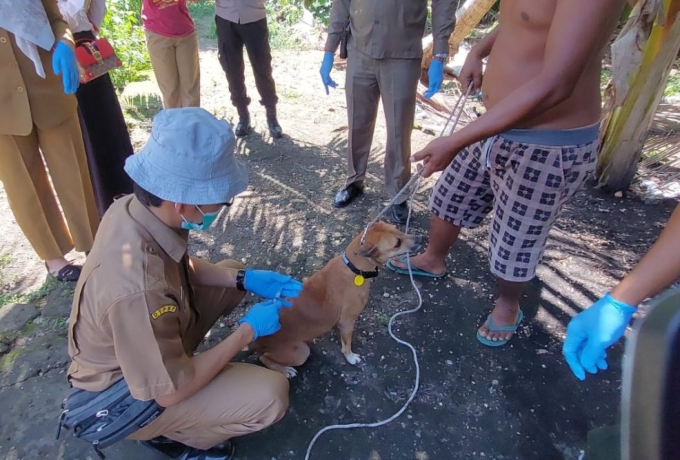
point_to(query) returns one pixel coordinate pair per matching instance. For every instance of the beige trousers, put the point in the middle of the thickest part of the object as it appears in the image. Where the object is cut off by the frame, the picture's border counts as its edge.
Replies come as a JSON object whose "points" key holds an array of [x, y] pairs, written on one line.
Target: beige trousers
{"points": [[24, 176], [241, 399], [367, 81], [175, 64]]}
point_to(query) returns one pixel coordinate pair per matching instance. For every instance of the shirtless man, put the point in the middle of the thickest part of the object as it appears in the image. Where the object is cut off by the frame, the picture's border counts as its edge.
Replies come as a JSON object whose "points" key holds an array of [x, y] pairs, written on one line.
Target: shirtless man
{"points": [[529, 153]]}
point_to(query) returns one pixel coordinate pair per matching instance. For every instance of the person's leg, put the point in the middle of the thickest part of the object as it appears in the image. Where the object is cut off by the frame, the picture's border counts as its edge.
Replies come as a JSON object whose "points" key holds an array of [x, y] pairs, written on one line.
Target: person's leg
{"points": [[64, 153], [241, 399], [230, 54], [212, 303], [189, 71], [461, 198], [529, 198], [363, 95], [32, 199], [256, 39], [164, 63], [398, 82]]}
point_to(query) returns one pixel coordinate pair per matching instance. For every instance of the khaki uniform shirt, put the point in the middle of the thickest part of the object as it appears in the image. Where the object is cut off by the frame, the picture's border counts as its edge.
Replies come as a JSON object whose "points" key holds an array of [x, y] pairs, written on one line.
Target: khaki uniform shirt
{"points": [[390, 28], [132, 306], [240, 11], [25, 97]]}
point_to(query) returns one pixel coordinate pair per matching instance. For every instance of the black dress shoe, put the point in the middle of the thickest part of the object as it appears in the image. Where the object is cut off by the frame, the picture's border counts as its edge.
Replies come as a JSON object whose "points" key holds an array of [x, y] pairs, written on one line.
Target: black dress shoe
{"points": [[178, 451], [398, 213], [348, 194], [273, 124], [243, 127]]}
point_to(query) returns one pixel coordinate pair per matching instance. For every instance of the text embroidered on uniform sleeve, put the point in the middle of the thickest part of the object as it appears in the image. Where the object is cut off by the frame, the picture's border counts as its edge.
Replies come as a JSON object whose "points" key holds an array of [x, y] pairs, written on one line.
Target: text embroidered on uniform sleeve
{"points": [[163, 310]]}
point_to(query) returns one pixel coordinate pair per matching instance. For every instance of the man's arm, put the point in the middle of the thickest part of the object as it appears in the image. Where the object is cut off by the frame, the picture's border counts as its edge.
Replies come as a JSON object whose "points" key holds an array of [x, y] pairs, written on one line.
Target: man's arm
{"points": [[443, 22], [658, 268], [210, 363], [339, 19], [203, 273], [483, 48], [58, 23], [575, 30]]}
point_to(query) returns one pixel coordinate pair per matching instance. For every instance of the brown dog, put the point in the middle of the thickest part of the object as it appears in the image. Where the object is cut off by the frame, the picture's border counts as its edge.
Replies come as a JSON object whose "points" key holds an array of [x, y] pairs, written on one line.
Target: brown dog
{"points": [[335, 295]]}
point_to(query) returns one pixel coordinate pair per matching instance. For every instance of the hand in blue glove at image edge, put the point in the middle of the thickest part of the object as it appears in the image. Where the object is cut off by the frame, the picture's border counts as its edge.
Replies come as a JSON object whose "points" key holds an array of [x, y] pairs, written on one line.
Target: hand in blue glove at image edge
{"points": [[435, 75], [64, 63], [326, 67], [263, 317], [592, 331], [271, 285]]}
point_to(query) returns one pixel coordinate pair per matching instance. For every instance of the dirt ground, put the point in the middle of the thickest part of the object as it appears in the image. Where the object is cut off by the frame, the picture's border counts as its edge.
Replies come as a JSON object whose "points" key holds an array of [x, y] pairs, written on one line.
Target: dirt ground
{"points": [[516, 402]]}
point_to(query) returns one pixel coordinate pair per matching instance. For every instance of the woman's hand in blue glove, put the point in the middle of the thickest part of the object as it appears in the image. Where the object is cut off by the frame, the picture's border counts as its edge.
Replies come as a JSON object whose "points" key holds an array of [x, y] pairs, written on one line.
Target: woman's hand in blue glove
{"points": [[592, 331], [64, 63], [271, 285], [436, 76]]}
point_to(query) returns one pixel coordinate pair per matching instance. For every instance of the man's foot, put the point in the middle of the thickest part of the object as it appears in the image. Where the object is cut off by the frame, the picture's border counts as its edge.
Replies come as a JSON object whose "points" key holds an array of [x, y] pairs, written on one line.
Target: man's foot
{"points": [[348, 194], [273, 124], [243, 127], [500, 325], [178, 451], [419, 263], [398, 213], [63, 270]]}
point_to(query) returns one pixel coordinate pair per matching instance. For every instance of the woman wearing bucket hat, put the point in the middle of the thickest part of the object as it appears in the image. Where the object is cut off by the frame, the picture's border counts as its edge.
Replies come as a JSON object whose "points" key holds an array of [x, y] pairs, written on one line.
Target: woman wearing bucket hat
{"points": [[143, 305]]}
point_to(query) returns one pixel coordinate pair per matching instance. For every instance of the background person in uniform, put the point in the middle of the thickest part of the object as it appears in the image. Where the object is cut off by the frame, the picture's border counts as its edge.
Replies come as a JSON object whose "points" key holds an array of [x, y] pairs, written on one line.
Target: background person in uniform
{"points": [[529, 153], [172, 43], [107, 144], [39, 121], [384, 60], [244, 23], [143, 304]]}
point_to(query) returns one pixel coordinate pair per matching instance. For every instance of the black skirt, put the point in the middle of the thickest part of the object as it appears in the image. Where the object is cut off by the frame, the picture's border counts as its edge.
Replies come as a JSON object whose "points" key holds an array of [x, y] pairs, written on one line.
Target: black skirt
{"points": [[107, 141]]}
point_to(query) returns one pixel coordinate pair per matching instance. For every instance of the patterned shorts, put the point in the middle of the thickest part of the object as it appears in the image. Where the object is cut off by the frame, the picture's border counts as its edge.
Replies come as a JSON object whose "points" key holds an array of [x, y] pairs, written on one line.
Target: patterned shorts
{"points": [[525, 177]]}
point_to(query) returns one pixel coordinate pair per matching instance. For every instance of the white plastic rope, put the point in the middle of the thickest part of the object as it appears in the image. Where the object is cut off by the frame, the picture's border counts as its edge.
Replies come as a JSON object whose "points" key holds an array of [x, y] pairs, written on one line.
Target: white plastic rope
{"points": [[417, 178]]}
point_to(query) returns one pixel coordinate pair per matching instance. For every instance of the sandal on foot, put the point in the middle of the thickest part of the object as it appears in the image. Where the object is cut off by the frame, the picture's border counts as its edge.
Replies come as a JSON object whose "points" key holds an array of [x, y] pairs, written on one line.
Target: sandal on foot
{"points": [[492, 328], [416, 271], [69, 273]]}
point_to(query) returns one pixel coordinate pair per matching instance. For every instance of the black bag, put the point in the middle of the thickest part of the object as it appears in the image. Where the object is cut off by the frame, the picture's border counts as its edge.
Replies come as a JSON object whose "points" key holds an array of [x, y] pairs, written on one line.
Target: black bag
{"points": [[344, 38], [105, 417]]}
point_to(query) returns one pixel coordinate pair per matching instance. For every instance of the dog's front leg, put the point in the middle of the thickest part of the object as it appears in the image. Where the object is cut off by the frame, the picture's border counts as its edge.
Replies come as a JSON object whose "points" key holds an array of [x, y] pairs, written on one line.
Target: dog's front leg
{"points": [[346, 329]]}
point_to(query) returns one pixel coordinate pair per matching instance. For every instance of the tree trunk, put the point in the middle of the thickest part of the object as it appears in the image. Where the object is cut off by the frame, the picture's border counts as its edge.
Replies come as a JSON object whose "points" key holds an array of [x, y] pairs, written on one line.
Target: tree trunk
{"points": [[467, 18], [642, 57]]}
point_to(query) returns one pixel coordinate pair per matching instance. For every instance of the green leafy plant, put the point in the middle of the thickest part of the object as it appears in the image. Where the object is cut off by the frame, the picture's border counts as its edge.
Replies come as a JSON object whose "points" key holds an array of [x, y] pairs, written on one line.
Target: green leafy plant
{"points": [[123, 28]]}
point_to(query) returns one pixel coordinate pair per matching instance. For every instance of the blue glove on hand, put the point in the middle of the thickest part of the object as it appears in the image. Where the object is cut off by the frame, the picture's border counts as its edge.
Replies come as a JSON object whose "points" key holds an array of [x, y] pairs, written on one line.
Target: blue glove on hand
{"points": [[592, 331], [271, 285], [263, 317], [64, 64], [326, 67], [436, 76]]}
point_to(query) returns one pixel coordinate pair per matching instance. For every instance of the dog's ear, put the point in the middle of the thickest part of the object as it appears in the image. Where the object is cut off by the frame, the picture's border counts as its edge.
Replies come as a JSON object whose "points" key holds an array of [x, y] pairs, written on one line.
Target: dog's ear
{"points": [[367, 250]]}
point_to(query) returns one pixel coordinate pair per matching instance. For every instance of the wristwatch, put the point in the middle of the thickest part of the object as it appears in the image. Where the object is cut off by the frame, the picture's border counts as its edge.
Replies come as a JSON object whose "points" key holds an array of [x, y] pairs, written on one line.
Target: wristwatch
{"points": [[441, 57], [240, 279]]}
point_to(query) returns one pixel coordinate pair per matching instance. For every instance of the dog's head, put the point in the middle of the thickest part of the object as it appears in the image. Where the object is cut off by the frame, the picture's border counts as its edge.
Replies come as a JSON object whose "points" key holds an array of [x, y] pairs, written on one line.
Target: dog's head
{"points": [[384, 241]]}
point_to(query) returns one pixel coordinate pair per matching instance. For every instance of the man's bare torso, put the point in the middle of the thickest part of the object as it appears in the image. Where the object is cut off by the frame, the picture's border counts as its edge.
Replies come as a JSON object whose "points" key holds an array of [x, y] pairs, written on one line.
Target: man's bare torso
{"points": [[517, 57]]}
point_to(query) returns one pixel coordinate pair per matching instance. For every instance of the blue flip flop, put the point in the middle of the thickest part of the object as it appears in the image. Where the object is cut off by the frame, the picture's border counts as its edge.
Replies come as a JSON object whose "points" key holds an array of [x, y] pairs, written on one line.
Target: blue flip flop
{"points": [[498, 343], [416, 271]]}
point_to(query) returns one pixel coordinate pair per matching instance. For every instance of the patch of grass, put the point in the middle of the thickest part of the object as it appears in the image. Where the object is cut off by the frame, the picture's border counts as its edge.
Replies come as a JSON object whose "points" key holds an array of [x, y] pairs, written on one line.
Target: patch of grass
{"points": [[7, 360], [673, 85], [281, 36], [31, 297]]}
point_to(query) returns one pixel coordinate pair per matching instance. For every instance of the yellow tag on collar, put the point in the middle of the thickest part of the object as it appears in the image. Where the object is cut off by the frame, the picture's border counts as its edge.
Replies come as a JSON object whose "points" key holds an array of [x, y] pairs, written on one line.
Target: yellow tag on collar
{"points": [[358, 280]]}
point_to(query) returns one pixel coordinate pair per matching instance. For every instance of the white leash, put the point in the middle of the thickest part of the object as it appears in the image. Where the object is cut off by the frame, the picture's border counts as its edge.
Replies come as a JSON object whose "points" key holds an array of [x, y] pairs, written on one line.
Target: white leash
{"points": [[417, 178]]}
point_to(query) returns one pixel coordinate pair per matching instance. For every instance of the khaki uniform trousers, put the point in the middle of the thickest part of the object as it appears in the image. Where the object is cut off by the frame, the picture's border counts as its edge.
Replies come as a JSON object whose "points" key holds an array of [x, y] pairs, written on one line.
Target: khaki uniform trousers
{"points": [[396, 81], [31, 198], [242, 399], [175, 65]]}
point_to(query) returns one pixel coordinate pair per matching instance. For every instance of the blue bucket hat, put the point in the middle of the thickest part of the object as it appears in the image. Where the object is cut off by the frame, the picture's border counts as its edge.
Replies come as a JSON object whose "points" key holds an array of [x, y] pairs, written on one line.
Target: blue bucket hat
{"points": [[189, 159]]}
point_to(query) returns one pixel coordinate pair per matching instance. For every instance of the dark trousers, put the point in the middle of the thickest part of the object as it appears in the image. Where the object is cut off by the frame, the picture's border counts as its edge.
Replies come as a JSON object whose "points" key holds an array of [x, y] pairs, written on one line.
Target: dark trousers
{"points": [[231, 37]]}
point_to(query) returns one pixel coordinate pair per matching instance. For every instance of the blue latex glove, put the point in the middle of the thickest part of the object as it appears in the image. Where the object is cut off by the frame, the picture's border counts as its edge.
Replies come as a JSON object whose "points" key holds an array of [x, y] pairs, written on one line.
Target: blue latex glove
{"points": [[64, 64], [592, 331], [436, 76], [263, 317], [271, 285], [326, 67]]}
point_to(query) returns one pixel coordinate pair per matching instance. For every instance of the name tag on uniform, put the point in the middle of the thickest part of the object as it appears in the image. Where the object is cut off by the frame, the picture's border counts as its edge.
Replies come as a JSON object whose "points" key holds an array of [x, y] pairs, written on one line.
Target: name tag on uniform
{"points": [[163, 310]]}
